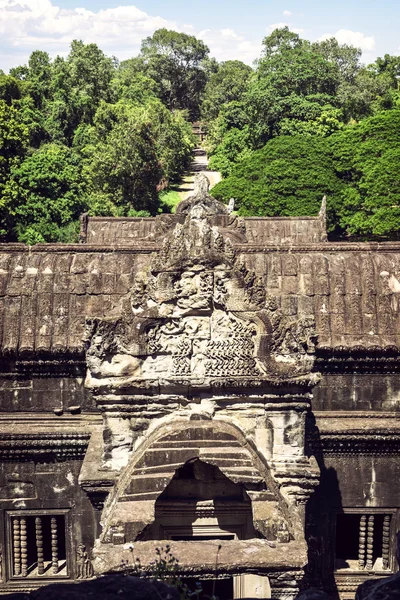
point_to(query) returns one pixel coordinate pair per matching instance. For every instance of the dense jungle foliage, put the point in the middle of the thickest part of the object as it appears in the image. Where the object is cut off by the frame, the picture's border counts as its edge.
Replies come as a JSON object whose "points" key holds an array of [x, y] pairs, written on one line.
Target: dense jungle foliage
{"points": [[87, 133], [312, 120]]}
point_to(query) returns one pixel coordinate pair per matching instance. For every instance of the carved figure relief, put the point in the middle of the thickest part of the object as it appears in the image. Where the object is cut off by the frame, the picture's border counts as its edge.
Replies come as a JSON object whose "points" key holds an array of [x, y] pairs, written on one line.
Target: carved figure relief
{"points": [[216, 344], [84, 565], [293, 339]]}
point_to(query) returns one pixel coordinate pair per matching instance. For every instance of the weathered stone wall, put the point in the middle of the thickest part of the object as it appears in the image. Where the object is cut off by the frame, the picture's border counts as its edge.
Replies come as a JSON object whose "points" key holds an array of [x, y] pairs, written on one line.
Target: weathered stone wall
{"points": [[23, 392], [41, 480], [259, 230], [251, 345], [377, 391], [47, 292]]}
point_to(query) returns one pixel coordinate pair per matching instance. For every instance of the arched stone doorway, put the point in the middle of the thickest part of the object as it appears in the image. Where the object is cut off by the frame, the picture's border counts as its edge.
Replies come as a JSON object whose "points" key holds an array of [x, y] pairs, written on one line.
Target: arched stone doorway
{"points": [[201, 503], [202, 367], [202, 488]]}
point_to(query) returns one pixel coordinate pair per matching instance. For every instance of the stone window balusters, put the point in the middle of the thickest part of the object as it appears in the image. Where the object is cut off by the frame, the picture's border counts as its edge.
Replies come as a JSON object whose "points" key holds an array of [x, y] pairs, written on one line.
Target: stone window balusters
{"points": [[24, 547], [361, 545], [17, 546], [370, 543], [54, 546], [372, 528], [39, 545], [386, 541]]}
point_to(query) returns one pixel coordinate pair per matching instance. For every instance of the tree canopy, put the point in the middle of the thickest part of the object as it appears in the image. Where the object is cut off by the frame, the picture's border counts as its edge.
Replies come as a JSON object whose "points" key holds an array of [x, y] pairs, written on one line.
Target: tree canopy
{"points": [[287, 177], [88, 133], [45, 195], [228, 83], [299, 88], [357, 168], [367, 160], [177, 63], [83, 133]]}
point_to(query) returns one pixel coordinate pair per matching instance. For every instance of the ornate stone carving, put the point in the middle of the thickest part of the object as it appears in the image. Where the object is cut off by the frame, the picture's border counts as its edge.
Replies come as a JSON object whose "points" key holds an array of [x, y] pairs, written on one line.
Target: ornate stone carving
{"points": [[83, 563], [356, 443], [197, 322], [217, 344], [198, 315], [294, 338], [52, 447]]}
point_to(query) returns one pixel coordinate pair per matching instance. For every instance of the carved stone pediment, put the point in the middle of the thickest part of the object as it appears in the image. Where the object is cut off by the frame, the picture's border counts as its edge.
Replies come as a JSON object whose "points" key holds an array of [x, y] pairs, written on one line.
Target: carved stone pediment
{"points": [[197, 316]]}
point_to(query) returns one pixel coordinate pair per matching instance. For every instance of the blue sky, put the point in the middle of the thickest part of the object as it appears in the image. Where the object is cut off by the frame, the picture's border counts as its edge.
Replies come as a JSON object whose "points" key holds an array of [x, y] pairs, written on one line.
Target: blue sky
{"points": [[231, 28]]}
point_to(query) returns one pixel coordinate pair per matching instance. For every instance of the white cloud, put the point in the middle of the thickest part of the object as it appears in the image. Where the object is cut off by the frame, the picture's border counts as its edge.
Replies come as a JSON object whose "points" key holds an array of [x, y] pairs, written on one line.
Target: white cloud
{"points": [[27, 25], [230, 34], [353, 38], [287, 13], [281, 25], [226, 44], [277, 25]]}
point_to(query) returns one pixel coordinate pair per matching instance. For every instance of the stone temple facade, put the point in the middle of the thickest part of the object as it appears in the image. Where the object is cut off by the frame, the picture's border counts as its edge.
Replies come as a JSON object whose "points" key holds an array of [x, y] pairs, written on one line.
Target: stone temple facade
{"points": [[226, 386]]}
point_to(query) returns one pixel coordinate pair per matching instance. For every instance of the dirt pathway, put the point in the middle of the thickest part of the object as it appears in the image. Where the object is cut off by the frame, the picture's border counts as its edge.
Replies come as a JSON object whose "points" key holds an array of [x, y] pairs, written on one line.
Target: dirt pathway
{"points": [[199, 165]]}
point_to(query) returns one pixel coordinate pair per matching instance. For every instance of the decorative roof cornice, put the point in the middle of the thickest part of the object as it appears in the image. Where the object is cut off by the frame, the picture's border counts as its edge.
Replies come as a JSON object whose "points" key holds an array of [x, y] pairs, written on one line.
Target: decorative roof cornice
{"points": [[356, 442], [43, 446]]}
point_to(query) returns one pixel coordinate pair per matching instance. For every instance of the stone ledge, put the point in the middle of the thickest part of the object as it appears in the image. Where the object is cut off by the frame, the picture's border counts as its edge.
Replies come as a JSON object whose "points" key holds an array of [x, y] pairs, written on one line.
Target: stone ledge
{"points": [[207, 556]]}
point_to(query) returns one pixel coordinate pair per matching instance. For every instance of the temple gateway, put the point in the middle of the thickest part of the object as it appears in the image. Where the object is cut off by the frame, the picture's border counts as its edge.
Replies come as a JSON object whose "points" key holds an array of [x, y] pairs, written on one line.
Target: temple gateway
{"points": [[225, 386]]}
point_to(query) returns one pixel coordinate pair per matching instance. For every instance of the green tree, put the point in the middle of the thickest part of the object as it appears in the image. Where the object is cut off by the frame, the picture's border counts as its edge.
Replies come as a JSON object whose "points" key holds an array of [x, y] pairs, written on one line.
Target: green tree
{"points": [[131, 83], [292, 81], [299, 88], [35, 119], [229, 83], [328, 121], [232, 115], [288, 177], [136, 149], [366, 95], [123, 165], [346, 57], [357, 168], [79, 83], [367, 159], [177, 63], [39, 78], [362, 91], [173, 138], [20, 72], [292, 91], [389, 65], [44, 196], [29, 90], [10, 89], [14, 139], [280, 41], [233, 148]]}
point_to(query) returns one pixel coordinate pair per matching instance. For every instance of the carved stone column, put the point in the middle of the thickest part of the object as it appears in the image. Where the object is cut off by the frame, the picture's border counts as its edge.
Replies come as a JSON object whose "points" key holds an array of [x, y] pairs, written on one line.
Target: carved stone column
{"points": [[39, 545]]}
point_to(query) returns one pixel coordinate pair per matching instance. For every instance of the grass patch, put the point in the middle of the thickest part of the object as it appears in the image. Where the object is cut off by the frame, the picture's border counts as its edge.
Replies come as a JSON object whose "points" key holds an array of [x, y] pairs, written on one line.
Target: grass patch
{"points": [[169, 199]]}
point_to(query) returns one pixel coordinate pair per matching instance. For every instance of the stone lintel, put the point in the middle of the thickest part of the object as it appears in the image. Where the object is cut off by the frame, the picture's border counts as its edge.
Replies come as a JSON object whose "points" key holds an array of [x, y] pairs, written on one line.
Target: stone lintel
{"points": [[226, 556]]}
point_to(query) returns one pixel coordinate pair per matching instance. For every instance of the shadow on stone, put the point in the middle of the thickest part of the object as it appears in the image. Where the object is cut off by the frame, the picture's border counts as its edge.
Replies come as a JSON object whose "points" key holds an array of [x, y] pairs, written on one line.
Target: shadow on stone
{"points": [[110, 587], [387, 588], [312, 594]]}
